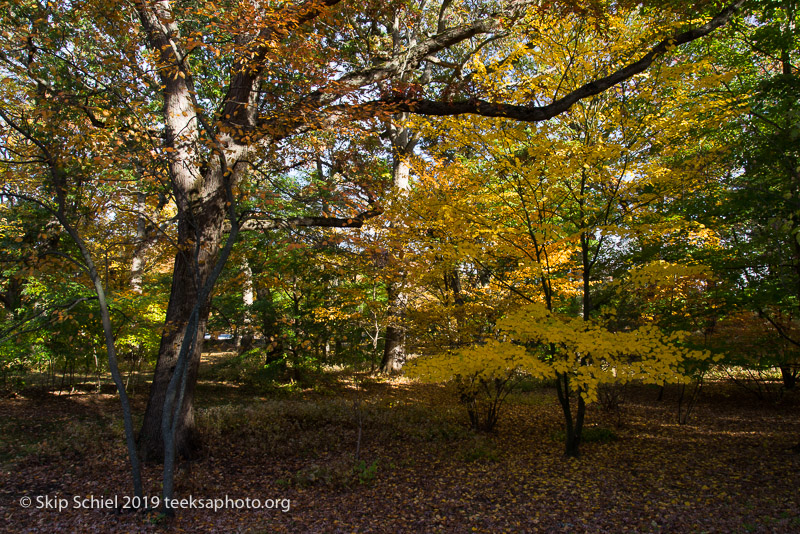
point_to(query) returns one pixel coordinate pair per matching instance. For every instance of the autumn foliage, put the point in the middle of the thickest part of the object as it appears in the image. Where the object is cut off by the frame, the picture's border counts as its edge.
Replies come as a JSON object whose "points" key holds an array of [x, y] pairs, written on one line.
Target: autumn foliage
{"points": [[580, 197]]}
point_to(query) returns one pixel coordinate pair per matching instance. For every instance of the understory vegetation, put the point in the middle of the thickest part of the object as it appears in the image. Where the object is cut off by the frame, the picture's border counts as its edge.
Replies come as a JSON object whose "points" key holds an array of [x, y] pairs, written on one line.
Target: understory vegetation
{"points": [[731, 468]]}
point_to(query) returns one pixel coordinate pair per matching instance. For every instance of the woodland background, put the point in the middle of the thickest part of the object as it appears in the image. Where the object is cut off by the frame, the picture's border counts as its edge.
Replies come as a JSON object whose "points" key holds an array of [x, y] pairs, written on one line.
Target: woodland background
{"points": [[331, 250]]}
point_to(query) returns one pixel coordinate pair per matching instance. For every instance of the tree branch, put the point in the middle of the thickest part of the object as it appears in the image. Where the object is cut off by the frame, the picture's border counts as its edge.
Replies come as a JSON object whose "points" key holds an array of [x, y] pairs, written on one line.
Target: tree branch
{"points": [[13, 329], [305, 115], [778, 328], [319, 222], [539, 113]]}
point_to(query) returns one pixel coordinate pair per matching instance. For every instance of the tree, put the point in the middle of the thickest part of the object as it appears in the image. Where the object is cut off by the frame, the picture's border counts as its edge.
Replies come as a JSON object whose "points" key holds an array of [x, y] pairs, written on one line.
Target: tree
{"points": [[760, 202], [44, 166], [213, 91], [560, 203]]}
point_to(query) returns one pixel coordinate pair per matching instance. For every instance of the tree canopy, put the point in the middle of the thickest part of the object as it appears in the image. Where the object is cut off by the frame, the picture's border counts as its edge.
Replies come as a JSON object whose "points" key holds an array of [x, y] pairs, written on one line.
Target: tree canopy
{"points": [[583, 192]]}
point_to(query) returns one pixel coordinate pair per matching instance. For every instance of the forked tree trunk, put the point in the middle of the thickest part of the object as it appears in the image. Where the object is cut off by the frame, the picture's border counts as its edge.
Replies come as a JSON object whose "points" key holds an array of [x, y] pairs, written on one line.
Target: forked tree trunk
{"points": [[573, 424]]}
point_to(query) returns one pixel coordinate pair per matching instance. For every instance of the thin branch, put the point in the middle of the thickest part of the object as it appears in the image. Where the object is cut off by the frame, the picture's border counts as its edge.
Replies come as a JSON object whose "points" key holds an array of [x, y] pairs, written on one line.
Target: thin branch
{"points": [[778, 328], [12, 330], [319, 222]]}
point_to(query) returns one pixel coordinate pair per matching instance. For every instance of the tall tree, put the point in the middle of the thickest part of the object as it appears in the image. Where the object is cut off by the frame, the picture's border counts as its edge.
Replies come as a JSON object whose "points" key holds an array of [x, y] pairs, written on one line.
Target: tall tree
{"points": [[214, 90], [559, 202], [48, 165], [766, 193]]}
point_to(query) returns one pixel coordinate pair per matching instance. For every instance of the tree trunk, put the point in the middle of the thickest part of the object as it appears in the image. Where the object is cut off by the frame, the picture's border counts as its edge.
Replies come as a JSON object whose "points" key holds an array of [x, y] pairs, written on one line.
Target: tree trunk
{"points": [[191, 269], [138, 261], [248, 293], [394, 350], [789, 377], [244, 334], [573, 425]]}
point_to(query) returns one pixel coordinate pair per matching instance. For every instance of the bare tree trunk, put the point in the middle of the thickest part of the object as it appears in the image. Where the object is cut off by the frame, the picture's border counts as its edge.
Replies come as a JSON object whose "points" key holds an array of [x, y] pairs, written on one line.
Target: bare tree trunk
{"points": [[191, 269], [394, 351], [137, 263]]}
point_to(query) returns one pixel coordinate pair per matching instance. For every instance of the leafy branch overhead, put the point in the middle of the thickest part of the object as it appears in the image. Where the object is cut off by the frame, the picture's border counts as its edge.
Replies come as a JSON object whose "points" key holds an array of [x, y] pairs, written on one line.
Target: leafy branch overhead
{"points": [[246, 115], [534, 112]]}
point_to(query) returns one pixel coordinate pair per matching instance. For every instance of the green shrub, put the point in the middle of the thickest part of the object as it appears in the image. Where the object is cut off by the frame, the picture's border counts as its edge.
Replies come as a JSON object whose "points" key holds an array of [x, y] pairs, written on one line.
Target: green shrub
{"points": [[366, 472], [338, 474]]}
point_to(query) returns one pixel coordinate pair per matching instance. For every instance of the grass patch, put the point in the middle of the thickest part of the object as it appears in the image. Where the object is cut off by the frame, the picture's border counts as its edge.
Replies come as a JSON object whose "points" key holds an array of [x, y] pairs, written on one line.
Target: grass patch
{"points": [[285, 426], [22, 439], [480, 449]]}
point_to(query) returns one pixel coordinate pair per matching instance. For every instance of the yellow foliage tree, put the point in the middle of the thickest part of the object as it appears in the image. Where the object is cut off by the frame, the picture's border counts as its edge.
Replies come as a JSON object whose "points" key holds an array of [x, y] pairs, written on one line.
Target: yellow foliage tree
{"points": [[546, 208], [579, 355]]}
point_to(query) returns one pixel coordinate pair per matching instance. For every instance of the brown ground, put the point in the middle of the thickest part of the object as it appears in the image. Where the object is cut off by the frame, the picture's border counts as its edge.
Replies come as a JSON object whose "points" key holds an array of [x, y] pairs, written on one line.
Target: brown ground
{"points": [[731, 469]]}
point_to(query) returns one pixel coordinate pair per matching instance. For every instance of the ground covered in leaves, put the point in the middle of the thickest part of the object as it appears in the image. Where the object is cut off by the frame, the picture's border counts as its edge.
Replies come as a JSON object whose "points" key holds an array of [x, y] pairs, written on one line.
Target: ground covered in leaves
{"points": [[420, 469]]}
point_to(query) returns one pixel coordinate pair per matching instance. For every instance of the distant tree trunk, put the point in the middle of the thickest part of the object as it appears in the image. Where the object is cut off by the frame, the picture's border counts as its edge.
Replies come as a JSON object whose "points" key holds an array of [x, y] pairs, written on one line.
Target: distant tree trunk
{"points": [[375, 336], [789, 377], [137, 263], [137, 277], [452, 283], [394, 351], [273, 342], [244, 335], [12, 297]]}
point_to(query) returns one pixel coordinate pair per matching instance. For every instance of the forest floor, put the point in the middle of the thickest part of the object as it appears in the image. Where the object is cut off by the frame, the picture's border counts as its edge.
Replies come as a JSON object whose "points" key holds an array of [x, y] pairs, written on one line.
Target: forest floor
{"points": [[731, 468]]}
